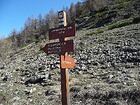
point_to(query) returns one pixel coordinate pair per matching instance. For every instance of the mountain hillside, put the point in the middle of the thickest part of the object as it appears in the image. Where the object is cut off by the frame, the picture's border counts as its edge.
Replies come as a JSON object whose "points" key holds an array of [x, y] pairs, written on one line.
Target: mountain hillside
{"points": [[111, 12], [107, 71]]}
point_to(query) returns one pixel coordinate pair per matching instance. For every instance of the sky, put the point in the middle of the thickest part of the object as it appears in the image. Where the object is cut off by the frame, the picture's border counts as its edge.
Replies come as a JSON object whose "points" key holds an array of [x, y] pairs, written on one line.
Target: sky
{"points": [[14, 13]]}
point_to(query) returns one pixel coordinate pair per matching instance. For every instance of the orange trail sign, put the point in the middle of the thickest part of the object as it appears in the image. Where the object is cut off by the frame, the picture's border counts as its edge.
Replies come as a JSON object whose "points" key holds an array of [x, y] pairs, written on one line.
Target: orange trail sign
{"points": [[67, 62]]}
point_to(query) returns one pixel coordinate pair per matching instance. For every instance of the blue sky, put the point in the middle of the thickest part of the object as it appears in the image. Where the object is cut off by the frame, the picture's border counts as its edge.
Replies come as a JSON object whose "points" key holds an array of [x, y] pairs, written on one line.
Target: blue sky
{"points": [[14, 13]]}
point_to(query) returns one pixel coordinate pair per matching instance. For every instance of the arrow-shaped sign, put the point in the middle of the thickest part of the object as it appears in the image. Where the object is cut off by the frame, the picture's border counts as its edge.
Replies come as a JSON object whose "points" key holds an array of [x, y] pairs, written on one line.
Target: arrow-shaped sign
{"points": [[57, 33], [59, 47], [67, 62]]}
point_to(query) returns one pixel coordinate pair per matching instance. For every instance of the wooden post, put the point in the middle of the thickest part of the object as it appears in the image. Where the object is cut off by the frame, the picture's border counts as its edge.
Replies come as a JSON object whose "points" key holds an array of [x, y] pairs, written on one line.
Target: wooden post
{"points": [[65, 86], [62, 48], [64, 72]]}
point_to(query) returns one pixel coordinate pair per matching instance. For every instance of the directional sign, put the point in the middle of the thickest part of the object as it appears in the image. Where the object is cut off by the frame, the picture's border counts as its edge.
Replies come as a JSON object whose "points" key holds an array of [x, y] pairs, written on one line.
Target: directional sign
{"points": [[57, 33], [67, 62], [61, 14], [62, 48], [59, 47], [62, 18]]}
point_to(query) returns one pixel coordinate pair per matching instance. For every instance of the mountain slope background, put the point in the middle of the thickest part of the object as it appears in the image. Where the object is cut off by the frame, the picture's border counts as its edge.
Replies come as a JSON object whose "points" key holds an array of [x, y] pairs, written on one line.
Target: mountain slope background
{"points": [[107, 50]]}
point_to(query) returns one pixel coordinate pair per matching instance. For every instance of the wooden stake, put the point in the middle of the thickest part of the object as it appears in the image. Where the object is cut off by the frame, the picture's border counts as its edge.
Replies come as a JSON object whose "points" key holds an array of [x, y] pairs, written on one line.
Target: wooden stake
{"points": [[64, 72]]}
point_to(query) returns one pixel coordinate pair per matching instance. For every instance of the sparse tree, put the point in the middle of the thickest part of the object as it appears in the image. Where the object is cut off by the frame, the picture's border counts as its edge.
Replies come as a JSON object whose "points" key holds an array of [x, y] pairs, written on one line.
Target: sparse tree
{"points": [[78, 9], [14, 38], [72, 12]]}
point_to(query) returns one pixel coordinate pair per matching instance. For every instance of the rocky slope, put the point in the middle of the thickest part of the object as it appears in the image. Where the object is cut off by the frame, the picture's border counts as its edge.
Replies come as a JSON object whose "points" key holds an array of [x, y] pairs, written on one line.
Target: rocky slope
{"points": [[107, 71], [114, 11]]}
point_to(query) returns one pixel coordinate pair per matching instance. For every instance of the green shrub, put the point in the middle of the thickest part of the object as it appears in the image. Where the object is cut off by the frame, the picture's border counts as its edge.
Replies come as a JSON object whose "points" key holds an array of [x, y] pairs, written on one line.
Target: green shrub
{"points": [[98, 31], [122, 1], [102, 11], [120, 24], [90, 34], [99, 14], [122, 4]]}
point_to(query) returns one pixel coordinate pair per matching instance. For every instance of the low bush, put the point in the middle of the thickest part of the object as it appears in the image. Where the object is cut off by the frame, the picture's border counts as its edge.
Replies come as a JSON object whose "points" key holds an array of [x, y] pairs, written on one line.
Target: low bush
{"points": [[98, 31], [120, 24]]}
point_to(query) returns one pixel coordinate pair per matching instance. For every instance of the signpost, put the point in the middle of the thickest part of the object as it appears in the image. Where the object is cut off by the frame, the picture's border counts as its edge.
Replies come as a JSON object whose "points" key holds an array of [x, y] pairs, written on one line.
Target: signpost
{"points": [[57, 33], [62, 48], [67, 62], [62, 18], [59, 47]]}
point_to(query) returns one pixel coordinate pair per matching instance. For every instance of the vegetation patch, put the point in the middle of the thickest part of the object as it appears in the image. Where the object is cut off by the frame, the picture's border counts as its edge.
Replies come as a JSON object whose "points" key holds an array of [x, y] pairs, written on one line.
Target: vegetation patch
{"points": [[98, 31], [122, 1], [102, 12], [90, 34], [120, 23]]}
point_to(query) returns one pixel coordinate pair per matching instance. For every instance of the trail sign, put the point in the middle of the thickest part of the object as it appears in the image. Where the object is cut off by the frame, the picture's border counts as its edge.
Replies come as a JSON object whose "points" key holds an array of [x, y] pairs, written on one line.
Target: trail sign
{"points": [[62, 48], [57, 33], [62, 18], [59, 47], [67, 62]]}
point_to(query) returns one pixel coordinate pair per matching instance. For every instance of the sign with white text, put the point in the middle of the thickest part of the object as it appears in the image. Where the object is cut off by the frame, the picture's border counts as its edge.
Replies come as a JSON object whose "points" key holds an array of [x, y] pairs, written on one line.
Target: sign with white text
{"points": [[57, 33], [59, 47]]}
